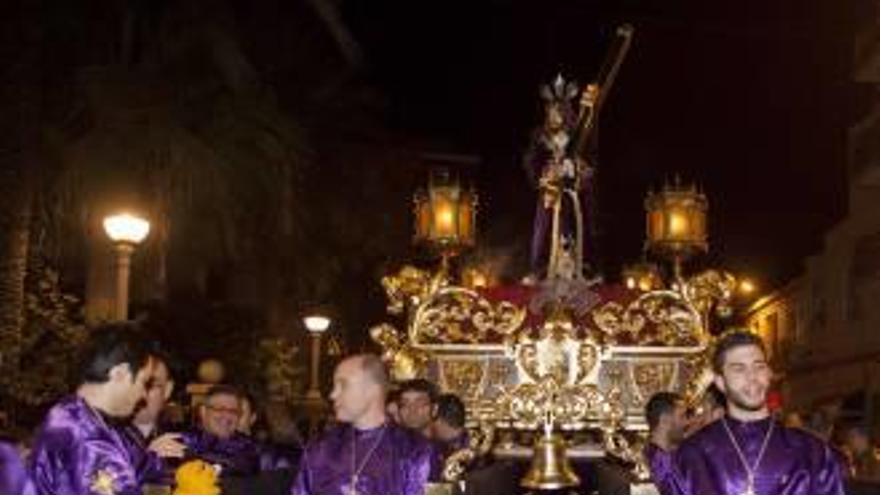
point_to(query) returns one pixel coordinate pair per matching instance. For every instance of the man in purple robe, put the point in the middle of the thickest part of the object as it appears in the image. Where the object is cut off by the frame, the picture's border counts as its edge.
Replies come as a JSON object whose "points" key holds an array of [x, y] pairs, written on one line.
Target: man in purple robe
{"points": [[283, 447], [78, 451], [152, 449], [217, 439], [449, 431], [747, 452], [249, 415], [417, 405], [13, 476], [366, 454], [666, 415]]}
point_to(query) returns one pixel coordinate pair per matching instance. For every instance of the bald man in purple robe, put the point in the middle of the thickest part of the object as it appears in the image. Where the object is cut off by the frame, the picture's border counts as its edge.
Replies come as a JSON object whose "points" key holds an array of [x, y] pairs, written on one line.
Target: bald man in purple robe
{"points": [[366, 454], [78, 450], [747, 452]]}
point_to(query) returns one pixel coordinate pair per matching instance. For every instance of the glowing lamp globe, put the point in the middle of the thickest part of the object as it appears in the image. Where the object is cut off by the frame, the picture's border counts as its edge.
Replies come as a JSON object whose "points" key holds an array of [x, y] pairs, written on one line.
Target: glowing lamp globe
{"points": [[126, 228], [316, 323]]}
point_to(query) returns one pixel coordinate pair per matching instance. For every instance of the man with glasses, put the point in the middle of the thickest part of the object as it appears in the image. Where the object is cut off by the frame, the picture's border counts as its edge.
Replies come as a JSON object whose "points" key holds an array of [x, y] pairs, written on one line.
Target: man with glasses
{"points": [[217, 440]]}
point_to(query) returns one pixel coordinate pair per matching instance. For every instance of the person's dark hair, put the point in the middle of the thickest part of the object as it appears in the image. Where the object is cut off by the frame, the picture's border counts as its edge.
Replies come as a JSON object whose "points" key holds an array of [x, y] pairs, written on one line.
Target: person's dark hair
{"points": [[224, 389], [732, 340], [245, 395], [160, 354], [659, 404], [451, 410], [392, 396], [714, 395], [860, 429], [111, 345], [420, 385]]}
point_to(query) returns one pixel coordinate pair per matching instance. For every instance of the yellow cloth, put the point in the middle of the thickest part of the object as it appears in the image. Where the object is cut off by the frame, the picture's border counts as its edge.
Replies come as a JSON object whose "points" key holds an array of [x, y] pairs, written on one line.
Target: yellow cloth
{"points": [[196, 478]]}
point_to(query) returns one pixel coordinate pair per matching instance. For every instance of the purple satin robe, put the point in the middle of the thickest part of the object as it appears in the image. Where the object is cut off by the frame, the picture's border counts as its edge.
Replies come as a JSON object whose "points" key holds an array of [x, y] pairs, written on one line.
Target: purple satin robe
{"points": [[795, 462], [400, 464], [238, 455], [78, 452], [150, 468], [13, 476], [660, 464]]}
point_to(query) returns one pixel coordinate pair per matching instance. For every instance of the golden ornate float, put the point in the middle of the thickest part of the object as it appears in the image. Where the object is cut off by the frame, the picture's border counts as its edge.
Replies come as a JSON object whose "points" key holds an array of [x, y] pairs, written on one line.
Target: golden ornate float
{"points": [[560, 366]]}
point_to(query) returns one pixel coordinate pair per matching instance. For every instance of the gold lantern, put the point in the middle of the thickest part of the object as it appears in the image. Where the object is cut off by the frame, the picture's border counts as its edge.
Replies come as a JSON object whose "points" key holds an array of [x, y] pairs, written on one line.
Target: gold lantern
{"points": [[676, 223], [445, 215]]}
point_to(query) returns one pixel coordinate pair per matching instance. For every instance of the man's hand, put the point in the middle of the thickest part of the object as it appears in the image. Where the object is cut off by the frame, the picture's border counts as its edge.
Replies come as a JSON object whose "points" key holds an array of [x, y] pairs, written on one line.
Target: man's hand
{"points": [[168, 445]]}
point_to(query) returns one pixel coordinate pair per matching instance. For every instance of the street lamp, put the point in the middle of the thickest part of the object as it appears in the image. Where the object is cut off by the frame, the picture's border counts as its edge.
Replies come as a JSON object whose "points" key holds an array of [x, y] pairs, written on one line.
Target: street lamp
{"points": [[316, 325], [126, 231]]}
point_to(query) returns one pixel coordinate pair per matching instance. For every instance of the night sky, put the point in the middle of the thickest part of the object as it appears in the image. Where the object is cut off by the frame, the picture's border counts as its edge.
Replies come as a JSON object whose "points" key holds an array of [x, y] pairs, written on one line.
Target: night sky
{"points": [[749, 99]]}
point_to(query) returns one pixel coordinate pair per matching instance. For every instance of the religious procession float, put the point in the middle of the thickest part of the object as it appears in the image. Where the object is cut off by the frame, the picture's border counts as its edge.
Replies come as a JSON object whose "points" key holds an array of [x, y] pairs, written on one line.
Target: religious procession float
{"points": [[560, 366]]}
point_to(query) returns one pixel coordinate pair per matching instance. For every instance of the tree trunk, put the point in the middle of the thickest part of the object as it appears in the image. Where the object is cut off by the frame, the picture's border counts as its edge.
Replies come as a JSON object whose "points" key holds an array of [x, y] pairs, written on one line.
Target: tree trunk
{"points": [[15, 215], [21, 100]]}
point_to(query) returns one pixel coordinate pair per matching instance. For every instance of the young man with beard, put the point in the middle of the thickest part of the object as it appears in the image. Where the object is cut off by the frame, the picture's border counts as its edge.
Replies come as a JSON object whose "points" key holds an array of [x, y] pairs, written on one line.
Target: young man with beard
{"points": [[417, 405], [79, 450], [747, 452], [366, 454]]}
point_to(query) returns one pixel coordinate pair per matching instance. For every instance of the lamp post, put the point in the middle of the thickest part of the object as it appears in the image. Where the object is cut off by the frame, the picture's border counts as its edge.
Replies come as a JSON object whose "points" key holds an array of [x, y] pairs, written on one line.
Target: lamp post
{"points": [[126, 231], [316, 325]]}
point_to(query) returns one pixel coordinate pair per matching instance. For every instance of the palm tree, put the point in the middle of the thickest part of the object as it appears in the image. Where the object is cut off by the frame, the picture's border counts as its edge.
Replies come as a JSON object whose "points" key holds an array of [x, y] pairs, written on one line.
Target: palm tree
{"points": [[21, 99], [192, 137]]}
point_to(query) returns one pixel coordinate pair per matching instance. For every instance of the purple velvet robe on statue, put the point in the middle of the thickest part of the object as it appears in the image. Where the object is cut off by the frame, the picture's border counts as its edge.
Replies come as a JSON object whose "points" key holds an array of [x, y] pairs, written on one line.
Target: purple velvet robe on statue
{"points": [[77, 452], [795, 462], [401, 463], [13, 477]]}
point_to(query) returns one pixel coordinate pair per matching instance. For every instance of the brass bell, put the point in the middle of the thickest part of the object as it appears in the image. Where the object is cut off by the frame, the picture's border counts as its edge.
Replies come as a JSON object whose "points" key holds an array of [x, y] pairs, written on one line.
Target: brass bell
{"points": [[550, 469]]}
